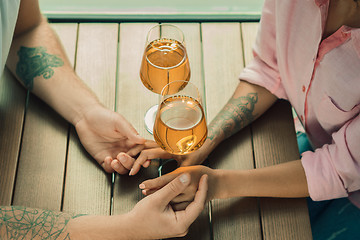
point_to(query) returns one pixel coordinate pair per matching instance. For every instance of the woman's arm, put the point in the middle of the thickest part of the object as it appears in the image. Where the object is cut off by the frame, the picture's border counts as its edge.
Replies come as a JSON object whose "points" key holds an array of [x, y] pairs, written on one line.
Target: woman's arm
{"points": [[248, 102], [283, 180]]}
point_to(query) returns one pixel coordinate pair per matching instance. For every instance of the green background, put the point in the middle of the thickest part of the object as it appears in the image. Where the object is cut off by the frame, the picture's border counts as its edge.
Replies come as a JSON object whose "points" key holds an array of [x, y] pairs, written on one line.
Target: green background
{"points": [[191, 10]]}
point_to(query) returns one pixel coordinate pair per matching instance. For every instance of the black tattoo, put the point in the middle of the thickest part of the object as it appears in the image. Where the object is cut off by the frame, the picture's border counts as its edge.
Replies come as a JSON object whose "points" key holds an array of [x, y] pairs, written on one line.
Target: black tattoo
{"points": [[235, 115], [34, 62]]}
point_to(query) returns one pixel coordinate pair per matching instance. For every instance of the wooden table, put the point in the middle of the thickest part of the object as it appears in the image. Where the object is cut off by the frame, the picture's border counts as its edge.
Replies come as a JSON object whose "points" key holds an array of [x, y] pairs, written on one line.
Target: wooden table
{"points": [[43, 165]]}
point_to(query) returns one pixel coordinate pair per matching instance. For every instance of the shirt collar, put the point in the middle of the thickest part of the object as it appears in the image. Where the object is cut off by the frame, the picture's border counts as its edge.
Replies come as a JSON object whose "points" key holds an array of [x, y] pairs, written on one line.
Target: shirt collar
{"points": [[321, 2]]}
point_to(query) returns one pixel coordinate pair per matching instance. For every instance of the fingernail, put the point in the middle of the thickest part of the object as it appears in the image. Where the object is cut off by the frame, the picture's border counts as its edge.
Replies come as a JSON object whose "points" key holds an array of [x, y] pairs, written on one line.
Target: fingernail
{"points": [[117, 163], [131, 172], [184, 178], [142, 186], [121, 158]]}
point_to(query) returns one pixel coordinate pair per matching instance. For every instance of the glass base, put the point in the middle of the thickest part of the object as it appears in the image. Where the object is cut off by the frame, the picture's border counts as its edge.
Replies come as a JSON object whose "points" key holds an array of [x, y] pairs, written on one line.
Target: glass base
{"points": [[150, 118]]}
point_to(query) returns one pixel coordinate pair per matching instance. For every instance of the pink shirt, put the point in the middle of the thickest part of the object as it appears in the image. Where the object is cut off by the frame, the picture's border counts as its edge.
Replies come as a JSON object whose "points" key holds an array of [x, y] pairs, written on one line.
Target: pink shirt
{"points": [[321, 79]]}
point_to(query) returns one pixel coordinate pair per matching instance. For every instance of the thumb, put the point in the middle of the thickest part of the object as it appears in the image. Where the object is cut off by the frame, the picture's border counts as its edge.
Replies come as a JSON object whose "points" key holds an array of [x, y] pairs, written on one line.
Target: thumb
{"points": [[172, 189], [125, 128]]}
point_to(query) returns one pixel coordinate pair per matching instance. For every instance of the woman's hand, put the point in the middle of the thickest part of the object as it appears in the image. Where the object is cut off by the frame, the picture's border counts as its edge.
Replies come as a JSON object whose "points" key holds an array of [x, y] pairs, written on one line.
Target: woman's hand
{"points": [[181, 201], [142, 154]]}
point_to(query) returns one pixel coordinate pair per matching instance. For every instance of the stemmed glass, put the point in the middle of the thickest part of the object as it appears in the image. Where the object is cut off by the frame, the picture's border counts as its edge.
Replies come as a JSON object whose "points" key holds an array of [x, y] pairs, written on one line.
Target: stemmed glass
{"points": [[164, 60], [180, 125]]}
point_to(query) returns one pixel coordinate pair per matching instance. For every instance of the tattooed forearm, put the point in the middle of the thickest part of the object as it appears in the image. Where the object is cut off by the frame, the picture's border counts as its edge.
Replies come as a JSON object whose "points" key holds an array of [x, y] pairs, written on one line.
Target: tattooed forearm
{"points": [[28, 223], [34, 62], [235, 115]]}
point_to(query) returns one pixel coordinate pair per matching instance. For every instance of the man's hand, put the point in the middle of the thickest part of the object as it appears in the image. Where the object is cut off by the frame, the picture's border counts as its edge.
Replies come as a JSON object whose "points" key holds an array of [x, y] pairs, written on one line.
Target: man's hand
{"points": [[156, 217], [180, 202], [105, 134]]}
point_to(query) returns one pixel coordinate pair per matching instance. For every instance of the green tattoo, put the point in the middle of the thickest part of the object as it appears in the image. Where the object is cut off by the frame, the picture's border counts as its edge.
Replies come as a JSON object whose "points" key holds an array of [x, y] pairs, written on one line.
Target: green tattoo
{"points": [[235, 115], [28, 223], [34, 62]]}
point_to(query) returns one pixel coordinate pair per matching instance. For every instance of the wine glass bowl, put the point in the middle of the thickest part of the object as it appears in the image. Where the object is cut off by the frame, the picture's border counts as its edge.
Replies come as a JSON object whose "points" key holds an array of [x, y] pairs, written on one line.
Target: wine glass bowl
{"points": [[164, 60], [180, 125]]}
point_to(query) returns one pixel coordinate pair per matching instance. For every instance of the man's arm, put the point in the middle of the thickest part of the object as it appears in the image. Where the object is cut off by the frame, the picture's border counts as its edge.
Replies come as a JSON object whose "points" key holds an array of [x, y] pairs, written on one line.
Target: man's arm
{"points": [[39, 62], [152, 215]]}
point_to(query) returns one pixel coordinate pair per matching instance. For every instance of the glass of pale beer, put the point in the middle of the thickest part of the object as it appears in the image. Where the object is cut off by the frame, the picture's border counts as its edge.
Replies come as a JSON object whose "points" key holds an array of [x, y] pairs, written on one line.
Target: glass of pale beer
{"points": [[180, 124], [164, 60]]}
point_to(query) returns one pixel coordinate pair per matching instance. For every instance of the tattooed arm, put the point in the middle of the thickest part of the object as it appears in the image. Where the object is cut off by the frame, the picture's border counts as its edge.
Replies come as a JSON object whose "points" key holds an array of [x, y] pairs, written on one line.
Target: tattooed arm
{"points": [[153, 215], [38, 60], [40, 64], [247, 103]]}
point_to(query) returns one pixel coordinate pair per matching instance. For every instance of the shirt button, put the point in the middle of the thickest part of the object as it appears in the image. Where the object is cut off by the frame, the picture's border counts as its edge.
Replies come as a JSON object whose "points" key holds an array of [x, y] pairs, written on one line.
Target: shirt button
{"points": [[303, 88]]}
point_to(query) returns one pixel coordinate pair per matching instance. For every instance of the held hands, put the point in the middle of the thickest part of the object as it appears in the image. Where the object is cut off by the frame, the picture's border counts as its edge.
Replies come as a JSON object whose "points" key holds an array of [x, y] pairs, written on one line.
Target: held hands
{"points": [[142, 154], [105, 134], [180, 202], [157, 217]]}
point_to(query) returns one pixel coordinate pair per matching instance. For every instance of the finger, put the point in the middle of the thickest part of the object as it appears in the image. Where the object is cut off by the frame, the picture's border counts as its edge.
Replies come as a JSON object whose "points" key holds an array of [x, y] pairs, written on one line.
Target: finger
{"points": [[149, 154], [151, 144], [118, 167], [148, 192], [158, 182], [183, 198], [180, 206], [125, 128], [147, 163], [106, 164], [138, 163], [135, 150], [171, 190], [126, 160], [195, 208]]}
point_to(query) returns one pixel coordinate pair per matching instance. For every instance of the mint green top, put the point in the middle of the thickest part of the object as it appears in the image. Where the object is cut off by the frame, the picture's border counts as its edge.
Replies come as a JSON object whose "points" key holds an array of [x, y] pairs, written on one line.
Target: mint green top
{"points": [[162, 10], [8, 15]]}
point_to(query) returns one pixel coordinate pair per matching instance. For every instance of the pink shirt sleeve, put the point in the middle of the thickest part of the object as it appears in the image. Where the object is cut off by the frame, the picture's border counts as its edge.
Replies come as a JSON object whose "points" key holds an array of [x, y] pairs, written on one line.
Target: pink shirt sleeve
{"points": [[333, 170], [263, 70]]}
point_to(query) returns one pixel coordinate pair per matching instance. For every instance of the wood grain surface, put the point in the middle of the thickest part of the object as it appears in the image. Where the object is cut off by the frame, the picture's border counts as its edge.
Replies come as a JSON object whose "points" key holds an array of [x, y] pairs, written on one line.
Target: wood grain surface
{"points": [[42, 162]]}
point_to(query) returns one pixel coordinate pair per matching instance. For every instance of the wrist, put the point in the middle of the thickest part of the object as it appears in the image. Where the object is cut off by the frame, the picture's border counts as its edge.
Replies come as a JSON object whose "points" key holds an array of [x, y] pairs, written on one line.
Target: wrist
{"points": [[219, 191], [100, 227], [230, 183], [82, 112], [200, 155]]}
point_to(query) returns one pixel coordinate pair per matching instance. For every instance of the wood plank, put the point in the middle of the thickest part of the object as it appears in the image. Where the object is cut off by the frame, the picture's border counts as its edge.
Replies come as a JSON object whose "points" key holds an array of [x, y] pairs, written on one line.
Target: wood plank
{"points": [[133, 100], [249, 33], [40, 176], [275, 142], [12, 110], [223, 62], [200, 229], [87, 186]]}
